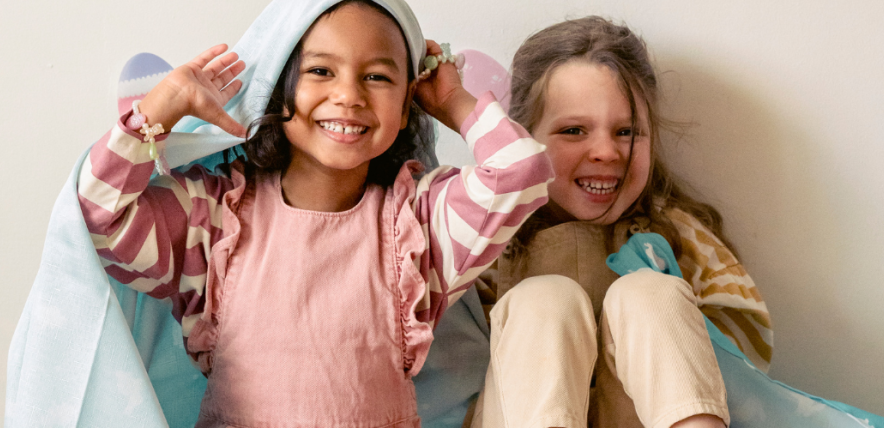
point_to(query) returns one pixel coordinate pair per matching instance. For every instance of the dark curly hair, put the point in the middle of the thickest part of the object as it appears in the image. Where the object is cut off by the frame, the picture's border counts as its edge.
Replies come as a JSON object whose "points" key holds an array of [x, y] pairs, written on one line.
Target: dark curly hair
{"points": [[599, 41], [269, 149]]}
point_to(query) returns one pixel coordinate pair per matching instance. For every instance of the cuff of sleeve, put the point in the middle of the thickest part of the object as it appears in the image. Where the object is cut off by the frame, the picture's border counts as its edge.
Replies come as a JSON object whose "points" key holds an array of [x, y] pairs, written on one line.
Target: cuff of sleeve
{"points": [[122, 123]]}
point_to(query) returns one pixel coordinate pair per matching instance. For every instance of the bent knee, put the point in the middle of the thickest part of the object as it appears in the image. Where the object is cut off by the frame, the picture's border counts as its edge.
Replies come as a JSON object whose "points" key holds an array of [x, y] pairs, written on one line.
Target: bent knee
{"points": [[647, 288], [546, 298]]}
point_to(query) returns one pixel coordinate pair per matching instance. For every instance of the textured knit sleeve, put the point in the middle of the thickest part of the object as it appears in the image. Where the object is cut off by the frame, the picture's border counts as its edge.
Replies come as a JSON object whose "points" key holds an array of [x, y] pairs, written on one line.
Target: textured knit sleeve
{"points": [[470, 214], [151, 235], [725, 292]]}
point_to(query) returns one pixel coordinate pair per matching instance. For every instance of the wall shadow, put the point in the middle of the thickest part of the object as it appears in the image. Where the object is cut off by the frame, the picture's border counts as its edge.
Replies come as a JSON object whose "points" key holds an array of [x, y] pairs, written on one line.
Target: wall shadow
{"points": [[760, 166]]}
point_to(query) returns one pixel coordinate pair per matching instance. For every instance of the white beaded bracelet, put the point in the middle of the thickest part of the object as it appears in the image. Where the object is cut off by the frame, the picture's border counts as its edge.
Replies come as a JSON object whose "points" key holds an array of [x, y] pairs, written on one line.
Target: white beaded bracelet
{"points": [[431, 62], [149, 132], [138, 121]]}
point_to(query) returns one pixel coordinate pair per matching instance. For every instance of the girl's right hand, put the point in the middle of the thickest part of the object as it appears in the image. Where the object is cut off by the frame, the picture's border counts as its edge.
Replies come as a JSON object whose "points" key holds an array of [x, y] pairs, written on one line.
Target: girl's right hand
{"points": [[199, 88], [442, 94]]}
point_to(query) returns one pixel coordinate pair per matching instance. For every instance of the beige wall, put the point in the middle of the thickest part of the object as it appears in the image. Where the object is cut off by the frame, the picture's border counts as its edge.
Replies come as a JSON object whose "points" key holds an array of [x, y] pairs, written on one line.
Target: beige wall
{"points": [[786, 98]]}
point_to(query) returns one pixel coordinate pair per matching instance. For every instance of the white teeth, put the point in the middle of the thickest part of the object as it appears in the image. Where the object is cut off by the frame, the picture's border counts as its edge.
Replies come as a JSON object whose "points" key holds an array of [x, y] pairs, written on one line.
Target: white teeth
{"points": [[598, 187], [341, 128]]}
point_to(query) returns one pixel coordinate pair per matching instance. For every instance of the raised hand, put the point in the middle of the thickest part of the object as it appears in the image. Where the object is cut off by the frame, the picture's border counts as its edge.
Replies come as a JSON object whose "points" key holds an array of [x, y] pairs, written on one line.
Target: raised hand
{"points": [[442, 95], [198, 88]]}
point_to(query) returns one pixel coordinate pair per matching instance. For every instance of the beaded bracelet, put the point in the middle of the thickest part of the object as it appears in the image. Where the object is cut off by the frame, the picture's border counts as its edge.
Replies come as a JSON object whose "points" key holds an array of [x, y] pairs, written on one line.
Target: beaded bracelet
{"points": [[138, 120], [431, 62]]}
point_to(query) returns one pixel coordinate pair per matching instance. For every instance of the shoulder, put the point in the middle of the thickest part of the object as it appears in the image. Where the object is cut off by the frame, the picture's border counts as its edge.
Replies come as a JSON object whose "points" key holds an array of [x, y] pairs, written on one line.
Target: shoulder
{"points": [[690, 227], [696, 238], [704, 257]]}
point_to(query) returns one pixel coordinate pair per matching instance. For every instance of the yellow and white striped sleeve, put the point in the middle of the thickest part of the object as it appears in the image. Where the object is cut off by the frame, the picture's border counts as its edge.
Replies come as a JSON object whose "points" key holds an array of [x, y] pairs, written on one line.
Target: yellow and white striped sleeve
{"points": [[725, 292]]}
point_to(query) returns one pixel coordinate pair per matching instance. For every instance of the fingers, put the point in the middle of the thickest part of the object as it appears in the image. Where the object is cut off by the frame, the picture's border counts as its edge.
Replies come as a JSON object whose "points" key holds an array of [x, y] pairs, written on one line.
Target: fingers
{"points": [[208, 55], [218, 70], [227, 123], [217, 66], [224, 121], [221, 63], [231, 90], [433, 48], [228, 74]]}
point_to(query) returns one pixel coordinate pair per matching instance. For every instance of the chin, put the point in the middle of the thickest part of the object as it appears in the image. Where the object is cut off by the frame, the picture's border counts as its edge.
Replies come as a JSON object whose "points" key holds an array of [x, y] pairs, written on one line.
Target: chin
{"points": [[342, 164], [599, 217]]}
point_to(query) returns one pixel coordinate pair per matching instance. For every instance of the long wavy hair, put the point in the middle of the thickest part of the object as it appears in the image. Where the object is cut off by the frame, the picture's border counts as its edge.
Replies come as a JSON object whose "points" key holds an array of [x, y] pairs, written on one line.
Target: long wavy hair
{"points": [[270, 150], [599, 41]]}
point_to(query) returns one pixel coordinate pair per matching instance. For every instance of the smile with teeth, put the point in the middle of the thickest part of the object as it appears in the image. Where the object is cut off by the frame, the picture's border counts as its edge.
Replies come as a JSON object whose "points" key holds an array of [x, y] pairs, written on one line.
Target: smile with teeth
{"points": [[598, 187], [340, 128]]}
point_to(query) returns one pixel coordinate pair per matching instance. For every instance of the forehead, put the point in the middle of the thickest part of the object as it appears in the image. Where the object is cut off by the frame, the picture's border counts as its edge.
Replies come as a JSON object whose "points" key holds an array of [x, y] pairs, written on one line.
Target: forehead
{"points": [[357, 28], [590, 88]]}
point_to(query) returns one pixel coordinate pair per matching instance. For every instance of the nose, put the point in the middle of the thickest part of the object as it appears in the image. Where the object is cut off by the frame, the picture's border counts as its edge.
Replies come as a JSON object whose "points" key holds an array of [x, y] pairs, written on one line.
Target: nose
{"points": [[603, 148], [348, 92]]}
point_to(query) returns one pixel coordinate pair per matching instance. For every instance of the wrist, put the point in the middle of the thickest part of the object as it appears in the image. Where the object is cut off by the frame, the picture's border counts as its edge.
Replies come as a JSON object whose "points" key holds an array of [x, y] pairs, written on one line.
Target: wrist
{"points": [[137, 122], [463, 104], [159, 108]]}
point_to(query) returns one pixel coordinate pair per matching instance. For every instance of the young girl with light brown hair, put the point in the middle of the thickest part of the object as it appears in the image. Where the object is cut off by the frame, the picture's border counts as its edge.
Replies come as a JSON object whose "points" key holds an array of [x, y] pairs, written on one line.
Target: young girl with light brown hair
{"points": [[573, 343]]}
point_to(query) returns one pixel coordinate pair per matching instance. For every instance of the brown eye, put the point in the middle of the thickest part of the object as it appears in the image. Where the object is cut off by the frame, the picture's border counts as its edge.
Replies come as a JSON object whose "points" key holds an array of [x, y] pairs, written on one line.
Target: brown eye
{"points": [[319, 71], [625, 132], [571, 131], [378, 78]]}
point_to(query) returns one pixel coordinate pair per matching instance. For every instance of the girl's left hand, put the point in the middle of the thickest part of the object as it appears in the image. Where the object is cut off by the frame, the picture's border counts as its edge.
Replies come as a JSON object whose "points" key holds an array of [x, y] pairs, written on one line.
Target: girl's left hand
{"points": [[442, 94]]}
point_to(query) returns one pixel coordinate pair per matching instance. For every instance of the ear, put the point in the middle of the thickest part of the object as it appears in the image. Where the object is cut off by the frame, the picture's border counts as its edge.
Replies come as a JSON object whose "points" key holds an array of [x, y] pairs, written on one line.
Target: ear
{"points": [[406, 107]]}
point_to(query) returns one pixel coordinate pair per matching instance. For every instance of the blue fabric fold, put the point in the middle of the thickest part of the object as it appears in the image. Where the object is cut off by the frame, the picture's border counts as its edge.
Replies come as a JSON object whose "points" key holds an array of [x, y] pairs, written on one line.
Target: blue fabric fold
{"points": [[73, 359]]}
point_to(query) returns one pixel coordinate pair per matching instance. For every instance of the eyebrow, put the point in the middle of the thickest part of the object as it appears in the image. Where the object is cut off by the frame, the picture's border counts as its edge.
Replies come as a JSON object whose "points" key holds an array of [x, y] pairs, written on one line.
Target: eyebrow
{"points": [[390, 62]]}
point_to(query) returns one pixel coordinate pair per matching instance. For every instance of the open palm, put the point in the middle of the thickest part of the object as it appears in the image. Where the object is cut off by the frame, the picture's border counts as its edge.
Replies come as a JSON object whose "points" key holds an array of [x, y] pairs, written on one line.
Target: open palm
{"points": [[198, 88]]}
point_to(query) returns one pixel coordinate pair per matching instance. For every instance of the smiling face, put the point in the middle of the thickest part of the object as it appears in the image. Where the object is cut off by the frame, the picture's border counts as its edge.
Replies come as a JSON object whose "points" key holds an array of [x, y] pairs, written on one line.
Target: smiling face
{"points": [[352, 91], [586, 126]]}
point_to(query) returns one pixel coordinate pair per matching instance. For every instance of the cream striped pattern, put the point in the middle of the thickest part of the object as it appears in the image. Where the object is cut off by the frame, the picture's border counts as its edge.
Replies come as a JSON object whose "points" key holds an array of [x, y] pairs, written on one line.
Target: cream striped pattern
{"points": [[725, 292]]}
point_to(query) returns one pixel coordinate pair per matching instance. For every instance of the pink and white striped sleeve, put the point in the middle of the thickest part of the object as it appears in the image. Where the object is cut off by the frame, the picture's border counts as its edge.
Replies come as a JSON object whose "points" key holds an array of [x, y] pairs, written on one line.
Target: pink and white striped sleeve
{"points": [[470, 214], [152, 235]]}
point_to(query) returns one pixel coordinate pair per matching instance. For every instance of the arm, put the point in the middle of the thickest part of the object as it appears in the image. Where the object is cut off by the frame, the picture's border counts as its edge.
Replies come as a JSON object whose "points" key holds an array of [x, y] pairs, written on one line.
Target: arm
{"points": [[153, 236], [156, 239], [470, 214], [725, 292]]}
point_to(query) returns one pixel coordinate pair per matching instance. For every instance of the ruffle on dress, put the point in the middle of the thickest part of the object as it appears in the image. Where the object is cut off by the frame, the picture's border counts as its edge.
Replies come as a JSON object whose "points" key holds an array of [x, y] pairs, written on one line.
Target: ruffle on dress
{"points": [[204, 336], [410, 244]]}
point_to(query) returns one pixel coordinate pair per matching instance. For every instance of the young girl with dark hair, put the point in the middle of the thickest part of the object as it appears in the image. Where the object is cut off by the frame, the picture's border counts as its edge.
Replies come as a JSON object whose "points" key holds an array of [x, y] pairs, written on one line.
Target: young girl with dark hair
{"points": [[571, 342], [308, 275]]}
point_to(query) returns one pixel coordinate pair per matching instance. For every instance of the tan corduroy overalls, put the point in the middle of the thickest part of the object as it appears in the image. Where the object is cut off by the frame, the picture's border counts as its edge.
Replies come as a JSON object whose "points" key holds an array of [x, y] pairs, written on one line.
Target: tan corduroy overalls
{"points": [[657, 365]]}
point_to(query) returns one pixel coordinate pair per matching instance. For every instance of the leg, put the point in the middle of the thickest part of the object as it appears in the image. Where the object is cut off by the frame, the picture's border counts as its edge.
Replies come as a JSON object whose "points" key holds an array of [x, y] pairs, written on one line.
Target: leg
{"points": [[700, 421], [543, 350], [657, 354]]}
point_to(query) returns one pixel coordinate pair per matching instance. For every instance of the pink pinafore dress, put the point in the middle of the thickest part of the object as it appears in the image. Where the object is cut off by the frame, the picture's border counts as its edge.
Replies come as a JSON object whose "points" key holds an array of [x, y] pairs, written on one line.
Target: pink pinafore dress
{"points": [[306, 324]]}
